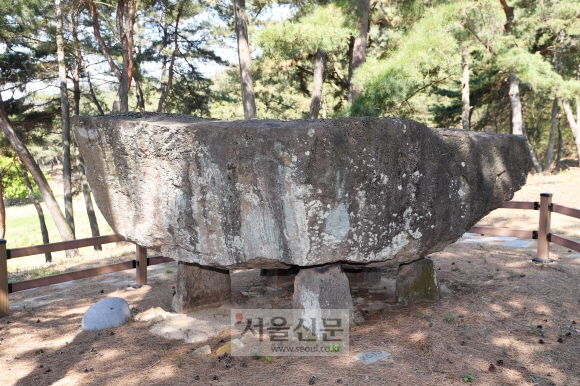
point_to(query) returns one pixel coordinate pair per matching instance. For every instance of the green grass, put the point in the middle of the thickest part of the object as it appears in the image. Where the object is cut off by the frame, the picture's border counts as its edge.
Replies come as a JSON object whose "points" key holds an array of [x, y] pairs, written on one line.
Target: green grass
{"points": [[450, 318], [23, 229]]}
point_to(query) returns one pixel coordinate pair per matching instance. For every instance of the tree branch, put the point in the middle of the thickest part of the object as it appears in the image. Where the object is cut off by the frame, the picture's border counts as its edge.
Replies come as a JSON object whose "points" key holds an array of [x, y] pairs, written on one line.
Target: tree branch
{"points": [[100, 41], [423, 88]]}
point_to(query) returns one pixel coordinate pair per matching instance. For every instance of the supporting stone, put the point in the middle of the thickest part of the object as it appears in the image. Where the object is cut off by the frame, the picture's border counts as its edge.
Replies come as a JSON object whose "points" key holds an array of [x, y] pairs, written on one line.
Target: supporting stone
{"points": [[322, 287], [280, 277], [200, 287], [417, 281], [363, 277]]}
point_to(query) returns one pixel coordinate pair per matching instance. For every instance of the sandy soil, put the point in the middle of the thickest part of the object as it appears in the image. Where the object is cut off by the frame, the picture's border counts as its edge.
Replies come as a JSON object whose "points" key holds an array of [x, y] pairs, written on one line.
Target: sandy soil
{"points": [[501, 318]]}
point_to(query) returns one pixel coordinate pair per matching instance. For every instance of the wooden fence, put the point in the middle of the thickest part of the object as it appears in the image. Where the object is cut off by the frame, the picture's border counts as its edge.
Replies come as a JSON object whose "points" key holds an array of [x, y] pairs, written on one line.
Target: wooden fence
{"points": [[140, 264], [543, 233], [141, 261]]}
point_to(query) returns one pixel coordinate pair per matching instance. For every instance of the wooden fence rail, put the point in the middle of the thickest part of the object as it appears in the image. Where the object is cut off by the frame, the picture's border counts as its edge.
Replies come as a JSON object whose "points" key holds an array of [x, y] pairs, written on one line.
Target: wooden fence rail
{"points": [[543, 234], [140, 263]]}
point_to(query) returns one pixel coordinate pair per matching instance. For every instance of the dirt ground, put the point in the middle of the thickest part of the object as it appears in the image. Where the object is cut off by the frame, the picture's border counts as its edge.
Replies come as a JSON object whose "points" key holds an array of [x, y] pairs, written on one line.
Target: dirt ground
{"points": [[501, 320]]}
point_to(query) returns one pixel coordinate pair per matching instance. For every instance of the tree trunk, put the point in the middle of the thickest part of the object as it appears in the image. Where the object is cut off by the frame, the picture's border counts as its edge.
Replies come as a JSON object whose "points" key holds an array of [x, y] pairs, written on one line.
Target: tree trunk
{"points": [[465, 113], [245, 60], [94, 96], [317, 83], [574, 123], [2, 212], [553, 124], [509, 15], [39, 211], [66, 164], [532, 152], [139, 91], [124, 22], [559, 155], [39, 178], [359, 46], [514, 92], [88, 200], [167, 89], [516, 105], [78, 62], [555, 106]]}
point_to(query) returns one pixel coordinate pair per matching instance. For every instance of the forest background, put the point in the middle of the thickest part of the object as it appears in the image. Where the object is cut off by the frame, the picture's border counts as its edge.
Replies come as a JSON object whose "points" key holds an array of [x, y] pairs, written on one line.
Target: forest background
{"points": [[483, 65]]}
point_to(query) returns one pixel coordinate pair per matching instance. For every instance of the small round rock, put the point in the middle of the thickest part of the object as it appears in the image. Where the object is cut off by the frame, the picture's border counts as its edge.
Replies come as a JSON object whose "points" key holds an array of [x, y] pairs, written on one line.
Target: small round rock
{"points": [[106, 313]]}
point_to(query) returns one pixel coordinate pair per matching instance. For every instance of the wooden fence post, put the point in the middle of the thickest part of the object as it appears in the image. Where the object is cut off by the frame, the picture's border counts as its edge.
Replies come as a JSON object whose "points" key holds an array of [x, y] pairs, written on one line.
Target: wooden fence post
{"points": [[544, 228], [4, 305], [141, 257]]}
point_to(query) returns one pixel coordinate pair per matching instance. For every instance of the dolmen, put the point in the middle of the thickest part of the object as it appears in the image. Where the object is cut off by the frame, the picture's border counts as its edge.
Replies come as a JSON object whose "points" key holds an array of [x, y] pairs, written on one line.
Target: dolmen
{"points": [[316, 196]]}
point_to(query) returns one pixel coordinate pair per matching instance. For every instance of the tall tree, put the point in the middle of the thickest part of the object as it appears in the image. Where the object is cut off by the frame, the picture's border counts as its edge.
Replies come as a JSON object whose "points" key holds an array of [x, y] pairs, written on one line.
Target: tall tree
{"points": [[358, 46], [88, 200], [39, 178], [3, 172], [39, 211], [64, 108], [514, 91], [125, 19], [245, 59], [573, 122], [319, 66], [321, 32], [465, 113], [168, 84], [555, 105]]}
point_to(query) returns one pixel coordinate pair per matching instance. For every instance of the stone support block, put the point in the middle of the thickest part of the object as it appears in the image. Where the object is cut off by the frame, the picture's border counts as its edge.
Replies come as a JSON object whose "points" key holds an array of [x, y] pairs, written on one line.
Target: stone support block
{"points": [[322, 287], [200, 287], [417, 281]]}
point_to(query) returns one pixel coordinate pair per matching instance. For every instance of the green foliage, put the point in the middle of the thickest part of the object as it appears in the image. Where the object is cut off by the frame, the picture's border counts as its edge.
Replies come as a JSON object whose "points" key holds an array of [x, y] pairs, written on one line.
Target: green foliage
{"points": [[468, 378], [450, 318], [12, 182], [428, 55], [325, 28]]}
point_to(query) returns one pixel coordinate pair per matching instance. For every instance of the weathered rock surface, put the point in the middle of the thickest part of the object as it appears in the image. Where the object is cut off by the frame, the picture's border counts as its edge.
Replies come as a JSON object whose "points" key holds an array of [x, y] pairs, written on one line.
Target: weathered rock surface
{"points": [[417, 281], [106, 313], [272, 194]]}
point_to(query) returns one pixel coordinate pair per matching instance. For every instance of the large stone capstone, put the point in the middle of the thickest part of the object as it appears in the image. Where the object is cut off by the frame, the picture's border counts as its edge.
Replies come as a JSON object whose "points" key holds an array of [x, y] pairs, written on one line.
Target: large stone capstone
{"points": [[273, 194]]}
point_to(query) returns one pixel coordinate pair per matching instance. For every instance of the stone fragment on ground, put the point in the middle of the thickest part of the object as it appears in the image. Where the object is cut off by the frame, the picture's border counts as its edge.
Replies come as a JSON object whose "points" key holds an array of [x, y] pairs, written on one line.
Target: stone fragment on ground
{"points": [[369, 357], [228, 347], [106, 313], [202, 351], [152, 315], [197, 327]]}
